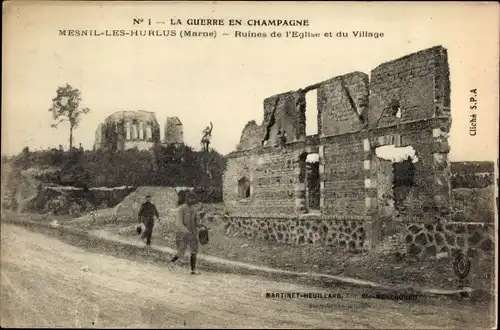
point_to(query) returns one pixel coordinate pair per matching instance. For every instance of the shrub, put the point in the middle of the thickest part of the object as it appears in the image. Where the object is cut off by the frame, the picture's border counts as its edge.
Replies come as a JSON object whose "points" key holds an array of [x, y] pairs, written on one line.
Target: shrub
{"points": [[163, 166], [472, 174]]}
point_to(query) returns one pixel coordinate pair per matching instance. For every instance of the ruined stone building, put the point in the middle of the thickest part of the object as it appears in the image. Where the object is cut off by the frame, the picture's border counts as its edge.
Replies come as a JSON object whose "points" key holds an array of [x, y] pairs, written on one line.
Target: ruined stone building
{"points": [[128, 129], [377, 163], [174, 132], [125, 130]]}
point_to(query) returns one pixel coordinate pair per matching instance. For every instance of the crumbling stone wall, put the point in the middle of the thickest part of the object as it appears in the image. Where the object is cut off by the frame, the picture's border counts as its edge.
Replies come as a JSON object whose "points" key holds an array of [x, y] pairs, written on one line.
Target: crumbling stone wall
{"points": [[174, 132], [404, 104], [418, 84], [282, 112], [251, 136], [283, 116], [343, 103]]}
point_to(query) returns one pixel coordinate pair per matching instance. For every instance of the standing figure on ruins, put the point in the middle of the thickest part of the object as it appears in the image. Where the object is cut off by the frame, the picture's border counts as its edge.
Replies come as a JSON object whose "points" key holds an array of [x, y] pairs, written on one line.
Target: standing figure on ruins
{"points": [[207, 135]]}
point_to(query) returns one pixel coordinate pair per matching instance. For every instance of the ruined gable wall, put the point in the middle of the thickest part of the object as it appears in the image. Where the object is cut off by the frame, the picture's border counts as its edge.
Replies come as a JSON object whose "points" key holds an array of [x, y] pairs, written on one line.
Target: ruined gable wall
{"points": [[419, 83], [251, 136], [342, 104], [282, 111]]}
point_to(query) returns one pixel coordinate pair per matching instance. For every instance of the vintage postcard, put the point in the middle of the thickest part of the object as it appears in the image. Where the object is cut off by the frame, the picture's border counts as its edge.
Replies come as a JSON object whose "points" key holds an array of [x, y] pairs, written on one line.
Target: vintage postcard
{"points": [[250, 165]]}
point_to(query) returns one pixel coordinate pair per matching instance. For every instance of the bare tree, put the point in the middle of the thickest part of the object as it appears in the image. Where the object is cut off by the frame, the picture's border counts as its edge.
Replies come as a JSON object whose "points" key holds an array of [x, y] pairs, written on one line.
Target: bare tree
{"points": [[66, 107]]}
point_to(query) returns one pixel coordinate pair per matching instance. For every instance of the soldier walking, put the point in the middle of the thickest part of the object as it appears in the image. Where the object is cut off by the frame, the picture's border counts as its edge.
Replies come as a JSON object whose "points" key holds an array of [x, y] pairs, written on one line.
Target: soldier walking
{"points": [[187, 228], [147, 214]]}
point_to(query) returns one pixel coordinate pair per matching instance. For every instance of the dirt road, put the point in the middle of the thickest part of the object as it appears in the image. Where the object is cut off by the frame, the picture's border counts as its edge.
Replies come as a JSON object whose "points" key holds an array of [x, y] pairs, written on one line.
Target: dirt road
{"points": [[47, 283]]}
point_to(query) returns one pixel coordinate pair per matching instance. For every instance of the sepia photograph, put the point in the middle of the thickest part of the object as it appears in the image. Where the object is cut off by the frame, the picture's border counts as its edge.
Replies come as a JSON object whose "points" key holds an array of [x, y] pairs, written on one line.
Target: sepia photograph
{"points": [[319, 165]]}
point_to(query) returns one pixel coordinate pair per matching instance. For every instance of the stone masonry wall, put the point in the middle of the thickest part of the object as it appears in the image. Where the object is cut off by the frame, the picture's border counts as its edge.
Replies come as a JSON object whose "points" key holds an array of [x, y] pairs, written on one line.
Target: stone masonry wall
{"points": [[405, 104], [409, 106], [419, 203], [339, 233], [343, 176], [174, 131], [425, 241], [282, 112], [272, 183], [342, 104], [418, 84], [252, 136]]}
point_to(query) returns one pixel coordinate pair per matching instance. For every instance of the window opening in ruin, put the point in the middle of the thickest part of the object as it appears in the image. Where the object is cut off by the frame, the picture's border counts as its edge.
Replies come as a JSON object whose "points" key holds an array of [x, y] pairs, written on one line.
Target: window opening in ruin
{"points": [[403, 181], [403, 161], [313, 193], [127, 128], [149, 132], [243, 188], [134, 131], [141, 131], [312, 112]]}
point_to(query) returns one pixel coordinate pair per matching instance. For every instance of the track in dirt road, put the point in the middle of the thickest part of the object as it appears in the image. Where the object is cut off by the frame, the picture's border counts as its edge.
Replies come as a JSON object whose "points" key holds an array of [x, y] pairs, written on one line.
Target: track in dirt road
{"points": [[47, 283]]}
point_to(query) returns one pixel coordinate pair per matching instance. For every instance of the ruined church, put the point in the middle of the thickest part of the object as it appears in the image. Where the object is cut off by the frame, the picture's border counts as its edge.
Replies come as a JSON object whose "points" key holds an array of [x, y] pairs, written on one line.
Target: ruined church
{"points": [[124, 130]]}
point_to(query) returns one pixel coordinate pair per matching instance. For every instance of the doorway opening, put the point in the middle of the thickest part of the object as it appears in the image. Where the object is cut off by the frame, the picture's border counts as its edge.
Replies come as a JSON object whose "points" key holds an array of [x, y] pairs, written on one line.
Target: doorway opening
{"points": [[313, 192]]}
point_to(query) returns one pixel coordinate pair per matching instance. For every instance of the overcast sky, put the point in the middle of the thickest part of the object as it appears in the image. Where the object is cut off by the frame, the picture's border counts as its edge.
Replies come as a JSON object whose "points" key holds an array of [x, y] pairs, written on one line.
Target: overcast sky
{"points": [[224, 80]]}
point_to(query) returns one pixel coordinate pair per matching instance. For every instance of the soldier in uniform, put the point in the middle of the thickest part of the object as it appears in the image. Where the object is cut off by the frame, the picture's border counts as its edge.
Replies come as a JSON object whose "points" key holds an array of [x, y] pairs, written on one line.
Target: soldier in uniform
{"points": [[147, 214], [187, 228]]}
